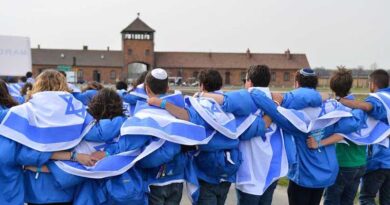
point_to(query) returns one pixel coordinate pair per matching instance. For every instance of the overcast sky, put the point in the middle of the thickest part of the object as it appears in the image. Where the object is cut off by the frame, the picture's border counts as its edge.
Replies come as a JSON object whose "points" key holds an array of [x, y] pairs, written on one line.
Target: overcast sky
{"points": [[330, 32]]}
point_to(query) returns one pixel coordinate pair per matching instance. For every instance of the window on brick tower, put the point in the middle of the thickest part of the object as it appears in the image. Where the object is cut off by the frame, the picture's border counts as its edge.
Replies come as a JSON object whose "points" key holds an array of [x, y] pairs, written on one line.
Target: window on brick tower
{"points": [[286, 76], [273, 76], [147, 52], [129, 51], [113, 74]]}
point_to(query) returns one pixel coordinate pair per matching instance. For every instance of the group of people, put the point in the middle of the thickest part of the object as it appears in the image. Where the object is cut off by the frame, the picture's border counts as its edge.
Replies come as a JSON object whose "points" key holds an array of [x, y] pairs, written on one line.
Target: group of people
{"points": [[62, 145]]}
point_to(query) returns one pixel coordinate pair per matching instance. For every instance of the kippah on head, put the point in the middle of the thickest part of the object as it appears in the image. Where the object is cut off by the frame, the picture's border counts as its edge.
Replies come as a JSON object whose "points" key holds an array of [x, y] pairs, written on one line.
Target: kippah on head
{"points": [[159, 73], [307, 72]]}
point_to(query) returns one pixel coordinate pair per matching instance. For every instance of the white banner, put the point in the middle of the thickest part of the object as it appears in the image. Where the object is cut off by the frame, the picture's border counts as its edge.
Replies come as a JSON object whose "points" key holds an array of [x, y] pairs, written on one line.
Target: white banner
{"points": [[15, 55]]}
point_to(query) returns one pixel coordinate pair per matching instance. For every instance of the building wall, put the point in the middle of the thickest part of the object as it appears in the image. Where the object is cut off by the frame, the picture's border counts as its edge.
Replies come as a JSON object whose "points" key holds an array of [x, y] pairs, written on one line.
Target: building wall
{"points": [[86, 73]]}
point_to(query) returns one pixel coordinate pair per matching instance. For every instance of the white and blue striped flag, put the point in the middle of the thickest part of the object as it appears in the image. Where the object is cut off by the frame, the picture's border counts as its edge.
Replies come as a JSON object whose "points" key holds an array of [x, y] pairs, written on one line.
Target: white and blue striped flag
{"points": [[50, 121], [264, 158], [109, 166], [157, 122]]}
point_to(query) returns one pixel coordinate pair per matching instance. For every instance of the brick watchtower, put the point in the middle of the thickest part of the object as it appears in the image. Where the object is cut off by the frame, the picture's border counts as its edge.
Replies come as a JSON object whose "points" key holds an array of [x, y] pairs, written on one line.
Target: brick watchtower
{"points": [[138, 48]]}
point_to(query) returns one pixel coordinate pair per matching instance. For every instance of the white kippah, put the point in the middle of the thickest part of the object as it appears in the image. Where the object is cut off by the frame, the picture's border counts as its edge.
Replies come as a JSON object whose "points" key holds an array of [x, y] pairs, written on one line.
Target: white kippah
{"points": [[159, 73]]}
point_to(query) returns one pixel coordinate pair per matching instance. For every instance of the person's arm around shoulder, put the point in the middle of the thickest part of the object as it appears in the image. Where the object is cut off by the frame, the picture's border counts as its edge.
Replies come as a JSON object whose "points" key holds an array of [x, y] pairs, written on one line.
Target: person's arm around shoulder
{"points": [[354, 104]]}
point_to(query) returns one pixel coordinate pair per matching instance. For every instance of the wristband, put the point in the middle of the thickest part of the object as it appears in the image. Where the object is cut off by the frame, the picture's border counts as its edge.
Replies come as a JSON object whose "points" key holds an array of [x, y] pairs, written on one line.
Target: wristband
{"points": [[163, 104], [38, 171], [73, 156], [107, 153]]}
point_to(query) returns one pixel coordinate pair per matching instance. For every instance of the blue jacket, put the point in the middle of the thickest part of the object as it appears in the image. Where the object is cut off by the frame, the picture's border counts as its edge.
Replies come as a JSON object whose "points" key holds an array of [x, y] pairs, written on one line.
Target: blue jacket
{"points": [[378, 155], [86, 96], [11, 173], [308, 168], [211, 162]]}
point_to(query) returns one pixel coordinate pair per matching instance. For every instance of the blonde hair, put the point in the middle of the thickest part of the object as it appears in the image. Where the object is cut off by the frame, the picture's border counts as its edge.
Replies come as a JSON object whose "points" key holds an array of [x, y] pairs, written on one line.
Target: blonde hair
{"points": [[49, 80]]}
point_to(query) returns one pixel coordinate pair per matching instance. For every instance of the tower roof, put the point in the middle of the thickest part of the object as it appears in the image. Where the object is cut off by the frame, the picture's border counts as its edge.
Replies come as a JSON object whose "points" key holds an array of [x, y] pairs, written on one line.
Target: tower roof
{"points": [[137, 26]]}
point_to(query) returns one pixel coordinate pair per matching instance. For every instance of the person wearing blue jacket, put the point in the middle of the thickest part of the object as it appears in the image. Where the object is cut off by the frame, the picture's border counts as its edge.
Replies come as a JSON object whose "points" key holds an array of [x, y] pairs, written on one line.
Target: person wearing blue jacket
{"points": [[106, 108], [11, 173], [377, 176], [351, 157], [164, 169], [38, 179], [217, 161]]}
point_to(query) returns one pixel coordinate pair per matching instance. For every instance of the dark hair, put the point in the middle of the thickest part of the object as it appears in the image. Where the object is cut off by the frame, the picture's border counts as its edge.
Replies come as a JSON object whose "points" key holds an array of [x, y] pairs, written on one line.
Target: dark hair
{"points": [[26, 87], [157, 86], [341, 82], [29, 74], [139, 80], [210, 79], [259, 75], [93, 85], [5, 98], [380, 78], [106, 104], [120, 85], [23, 79], [63, 73], [306, 81]]}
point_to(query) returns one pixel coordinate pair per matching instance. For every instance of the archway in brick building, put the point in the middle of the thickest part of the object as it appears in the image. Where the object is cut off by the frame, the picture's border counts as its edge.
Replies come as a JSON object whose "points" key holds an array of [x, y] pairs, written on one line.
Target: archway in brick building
{"points": [[134, 70]]}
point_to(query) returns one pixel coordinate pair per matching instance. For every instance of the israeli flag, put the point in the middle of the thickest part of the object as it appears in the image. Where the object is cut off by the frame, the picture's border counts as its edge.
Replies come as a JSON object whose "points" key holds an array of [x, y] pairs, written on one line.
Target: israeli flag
{"points": [[157, 122], [14, 89], [213, 114], [373, 132], [50, 121], [264, 161], [140, 91], [264, 158], [310, 119], [112, 165], [384, 97]]}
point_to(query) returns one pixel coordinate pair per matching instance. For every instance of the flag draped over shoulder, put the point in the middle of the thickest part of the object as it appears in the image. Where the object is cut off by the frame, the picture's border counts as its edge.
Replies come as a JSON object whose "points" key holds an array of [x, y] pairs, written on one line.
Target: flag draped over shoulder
{"points": [[139, 91], [109, 166], [384, 97], [372, 132], [50, 121], [310, 119], [157, 122], [212, 113], [264, 159]]}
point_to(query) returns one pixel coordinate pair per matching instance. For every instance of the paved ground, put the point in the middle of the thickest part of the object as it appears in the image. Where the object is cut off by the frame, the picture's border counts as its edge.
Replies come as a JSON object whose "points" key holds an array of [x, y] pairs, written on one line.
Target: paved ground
{"points": [[280, 197]]}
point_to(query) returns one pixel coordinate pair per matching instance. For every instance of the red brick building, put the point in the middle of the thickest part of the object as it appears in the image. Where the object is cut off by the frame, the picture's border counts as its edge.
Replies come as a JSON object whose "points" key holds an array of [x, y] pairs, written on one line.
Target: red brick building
{"points": [[138, 55]]}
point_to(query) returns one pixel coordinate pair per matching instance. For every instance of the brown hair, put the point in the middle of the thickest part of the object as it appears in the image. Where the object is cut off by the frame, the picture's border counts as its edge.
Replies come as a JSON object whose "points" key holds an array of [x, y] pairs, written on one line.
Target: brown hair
{"points": [[93, 85], [49, 80], [26, 87], [341, 82], [5, 98], [106, 104]]}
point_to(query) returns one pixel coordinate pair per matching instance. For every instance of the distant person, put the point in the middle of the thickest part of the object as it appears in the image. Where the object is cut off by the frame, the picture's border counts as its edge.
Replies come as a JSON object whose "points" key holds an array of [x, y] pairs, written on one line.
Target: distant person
{"points": [[88, 92], [25, 89], [29, 76], [121, 87]]}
